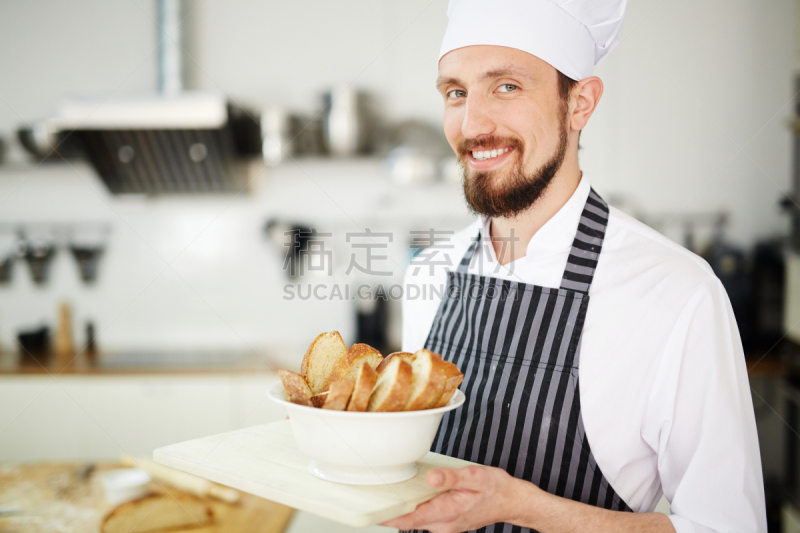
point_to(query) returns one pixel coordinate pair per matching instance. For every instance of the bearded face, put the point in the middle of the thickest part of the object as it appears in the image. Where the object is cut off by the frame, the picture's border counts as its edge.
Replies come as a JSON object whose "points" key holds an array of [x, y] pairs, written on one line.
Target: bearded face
{"points": [[509, 190], [507, 118]]}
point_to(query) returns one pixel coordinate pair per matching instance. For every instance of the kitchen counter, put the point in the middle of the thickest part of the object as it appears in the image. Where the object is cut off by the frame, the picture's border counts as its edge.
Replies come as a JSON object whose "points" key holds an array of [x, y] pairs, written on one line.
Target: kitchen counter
{"points": [[147, 362], [202, 362]]}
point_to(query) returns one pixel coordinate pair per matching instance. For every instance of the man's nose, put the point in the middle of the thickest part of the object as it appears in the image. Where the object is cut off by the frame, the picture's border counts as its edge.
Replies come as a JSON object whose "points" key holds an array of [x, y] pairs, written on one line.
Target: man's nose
{"points": [[477, 119]]}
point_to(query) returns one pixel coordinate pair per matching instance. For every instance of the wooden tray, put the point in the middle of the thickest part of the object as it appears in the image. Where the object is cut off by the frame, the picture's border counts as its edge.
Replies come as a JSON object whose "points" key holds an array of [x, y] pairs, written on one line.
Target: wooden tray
{"points": [[264, 460]]}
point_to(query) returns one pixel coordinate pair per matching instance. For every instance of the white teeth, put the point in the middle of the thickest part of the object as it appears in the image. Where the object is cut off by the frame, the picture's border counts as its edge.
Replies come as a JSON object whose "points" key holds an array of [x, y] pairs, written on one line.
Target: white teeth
{"points": [[487, 154]]}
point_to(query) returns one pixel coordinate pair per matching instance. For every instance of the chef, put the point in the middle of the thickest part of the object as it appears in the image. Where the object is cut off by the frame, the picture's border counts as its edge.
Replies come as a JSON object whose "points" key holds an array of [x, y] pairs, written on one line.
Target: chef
{"points": [[603, 366]]}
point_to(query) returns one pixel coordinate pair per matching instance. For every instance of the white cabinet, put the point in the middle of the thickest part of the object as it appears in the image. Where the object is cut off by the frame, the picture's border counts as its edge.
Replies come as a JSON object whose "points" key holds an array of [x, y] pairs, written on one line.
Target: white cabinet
{"points": [[91, 417]]}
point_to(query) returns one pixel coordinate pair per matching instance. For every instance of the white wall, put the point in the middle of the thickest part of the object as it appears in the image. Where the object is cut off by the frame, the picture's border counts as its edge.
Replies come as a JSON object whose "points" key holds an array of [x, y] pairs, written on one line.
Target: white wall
{"points": [[693, 118]]}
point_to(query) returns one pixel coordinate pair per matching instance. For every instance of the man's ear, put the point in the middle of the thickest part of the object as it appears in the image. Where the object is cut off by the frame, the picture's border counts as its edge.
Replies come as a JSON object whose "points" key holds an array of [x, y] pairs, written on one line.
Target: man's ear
{"points": [[584, 100]]}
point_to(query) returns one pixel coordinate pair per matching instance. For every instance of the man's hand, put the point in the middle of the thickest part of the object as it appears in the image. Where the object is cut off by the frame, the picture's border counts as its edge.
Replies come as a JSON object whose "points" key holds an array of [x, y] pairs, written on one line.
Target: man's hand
{"points": [[481, 495], [477, 496]]}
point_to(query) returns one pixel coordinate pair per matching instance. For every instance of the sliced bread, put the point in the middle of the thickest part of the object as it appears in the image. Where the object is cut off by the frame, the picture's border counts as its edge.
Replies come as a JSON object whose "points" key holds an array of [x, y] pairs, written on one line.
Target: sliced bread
{"points": [[158, 512], [453, 378], [347, 365], [296, 388], [409, 358], [320, 359], [365, 379], [318, 400], [393, 387], [427, 382], [339, 395]]}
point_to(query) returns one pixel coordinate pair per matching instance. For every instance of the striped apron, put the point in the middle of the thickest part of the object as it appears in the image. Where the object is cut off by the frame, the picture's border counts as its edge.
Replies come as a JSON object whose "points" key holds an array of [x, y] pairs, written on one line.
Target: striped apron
{"points": [[518, 346]]}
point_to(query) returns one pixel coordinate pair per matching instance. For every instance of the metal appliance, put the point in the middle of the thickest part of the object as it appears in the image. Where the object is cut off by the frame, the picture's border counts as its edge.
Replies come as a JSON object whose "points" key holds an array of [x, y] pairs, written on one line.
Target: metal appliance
{"points": [[168, 142]]}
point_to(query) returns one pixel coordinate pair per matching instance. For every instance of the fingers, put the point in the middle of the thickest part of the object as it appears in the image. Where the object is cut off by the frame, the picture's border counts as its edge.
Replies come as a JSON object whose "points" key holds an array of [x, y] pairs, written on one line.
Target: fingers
{"points": [[423, 515], [469, 478]]}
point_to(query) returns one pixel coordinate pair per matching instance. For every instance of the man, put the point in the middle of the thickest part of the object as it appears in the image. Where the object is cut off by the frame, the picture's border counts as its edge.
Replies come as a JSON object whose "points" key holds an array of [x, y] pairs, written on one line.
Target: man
{"points": [[603, 367]]}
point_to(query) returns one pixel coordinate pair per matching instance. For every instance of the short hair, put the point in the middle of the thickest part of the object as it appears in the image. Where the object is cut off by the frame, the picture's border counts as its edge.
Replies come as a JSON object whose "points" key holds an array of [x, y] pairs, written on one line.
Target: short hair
{"points": [[565, 86]]}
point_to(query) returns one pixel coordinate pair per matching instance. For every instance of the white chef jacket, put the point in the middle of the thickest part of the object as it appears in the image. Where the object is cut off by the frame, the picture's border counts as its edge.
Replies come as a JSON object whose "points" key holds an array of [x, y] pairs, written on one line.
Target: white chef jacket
{"points": [[664, 392]]}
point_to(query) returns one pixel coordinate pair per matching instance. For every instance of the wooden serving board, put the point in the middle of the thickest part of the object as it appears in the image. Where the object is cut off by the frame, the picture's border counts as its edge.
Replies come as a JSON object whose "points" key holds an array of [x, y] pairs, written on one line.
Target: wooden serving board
{"points": [[264, 460]]}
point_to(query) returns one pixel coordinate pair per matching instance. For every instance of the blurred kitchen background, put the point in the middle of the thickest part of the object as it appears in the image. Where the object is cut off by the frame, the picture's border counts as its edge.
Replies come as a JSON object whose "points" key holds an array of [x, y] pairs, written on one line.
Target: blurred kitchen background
{"points": [[167, 168]]}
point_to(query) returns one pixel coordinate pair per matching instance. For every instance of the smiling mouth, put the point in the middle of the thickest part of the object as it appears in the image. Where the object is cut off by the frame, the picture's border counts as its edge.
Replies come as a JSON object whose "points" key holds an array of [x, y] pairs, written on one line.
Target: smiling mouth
{"points": [[484, 155]]}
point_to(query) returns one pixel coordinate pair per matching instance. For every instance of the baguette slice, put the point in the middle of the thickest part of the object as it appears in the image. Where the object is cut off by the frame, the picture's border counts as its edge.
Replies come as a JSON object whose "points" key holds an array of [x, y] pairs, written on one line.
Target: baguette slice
{"points": [[393, 387], [453, 378], [347, 365], [365, 379], [318, 400], [339, 395], [320, 359], [158, 512], [409, 358], [427, 382], [296, 387]]}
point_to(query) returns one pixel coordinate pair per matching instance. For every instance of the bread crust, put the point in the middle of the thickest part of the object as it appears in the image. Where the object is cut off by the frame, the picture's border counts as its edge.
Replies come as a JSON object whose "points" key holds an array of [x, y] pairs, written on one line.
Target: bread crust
{"points": [[347, 365], [426, 389], [116, 514], [296, 387], [318, 400], [408, 356], [398, 381], [366, 377], [453, 378], [339, 395], [309, 357]]}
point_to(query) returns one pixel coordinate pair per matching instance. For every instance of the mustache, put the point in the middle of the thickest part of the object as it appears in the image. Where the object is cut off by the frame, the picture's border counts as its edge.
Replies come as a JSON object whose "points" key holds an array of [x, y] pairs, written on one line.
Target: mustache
{"points": [[467, 145]]}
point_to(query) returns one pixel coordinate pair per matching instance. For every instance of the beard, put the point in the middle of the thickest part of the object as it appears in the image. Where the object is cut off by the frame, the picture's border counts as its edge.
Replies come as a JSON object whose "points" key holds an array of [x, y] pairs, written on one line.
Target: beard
{"points": [[497, 194]]}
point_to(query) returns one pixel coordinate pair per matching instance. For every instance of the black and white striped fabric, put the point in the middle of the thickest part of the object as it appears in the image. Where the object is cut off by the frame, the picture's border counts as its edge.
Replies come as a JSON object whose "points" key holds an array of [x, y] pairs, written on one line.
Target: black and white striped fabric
{"points": [[518, 346]]}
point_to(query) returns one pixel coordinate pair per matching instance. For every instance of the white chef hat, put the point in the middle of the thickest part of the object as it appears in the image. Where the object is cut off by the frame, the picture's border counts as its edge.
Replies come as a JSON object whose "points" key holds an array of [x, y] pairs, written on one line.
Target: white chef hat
{"points": [[572, 35]]}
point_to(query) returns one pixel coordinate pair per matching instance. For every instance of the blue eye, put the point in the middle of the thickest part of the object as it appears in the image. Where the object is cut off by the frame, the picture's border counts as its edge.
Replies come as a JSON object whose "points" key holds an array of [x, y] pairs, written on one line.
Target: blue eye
{"points": [[456, 93], [507, 88]]}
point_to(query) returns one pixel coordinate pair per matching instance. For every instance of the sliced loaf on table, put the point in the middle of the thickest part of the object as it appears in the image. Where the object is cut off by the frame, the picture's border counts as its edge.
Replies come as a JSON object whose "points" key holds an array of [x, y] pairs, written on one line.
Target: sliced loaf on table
{"points": [[155, 512]]}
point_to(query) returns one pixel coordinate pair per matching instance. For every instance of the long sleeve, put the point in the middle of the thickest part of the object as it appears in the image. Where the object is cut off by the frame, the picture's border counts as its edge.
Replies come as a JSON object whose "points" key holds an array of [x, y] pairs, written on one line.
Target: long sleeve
{"points": [[700, 422]]}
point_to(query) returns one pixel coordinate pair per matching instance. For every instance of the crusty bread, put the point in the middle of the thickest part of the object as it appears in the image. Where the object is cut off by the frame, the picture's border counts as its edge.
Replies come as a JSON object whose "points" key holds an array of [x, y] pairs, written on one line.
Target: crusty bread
{"points": [[158, 512], [393, 387], [320, 359], [427, 381], [453, 378], [339, 394], [365, 379], [318, 400], [409, 358], [347, 365], [296, 388]]}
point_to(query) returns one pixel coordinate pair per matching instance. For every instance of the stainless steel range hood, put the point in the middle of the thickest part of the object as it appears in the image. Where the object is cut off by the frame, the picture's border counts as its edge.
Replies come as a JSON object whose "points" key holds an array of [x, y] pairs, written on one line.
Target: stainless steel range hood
{"points": [[167, 142]]}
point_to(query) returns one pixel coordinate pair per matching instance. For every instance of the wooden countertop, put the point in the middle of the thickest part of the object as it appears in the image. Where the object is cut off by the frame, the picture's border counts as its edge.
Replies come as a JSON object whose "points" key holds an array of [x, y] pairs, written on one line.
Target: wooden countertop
{"points": [[215, 362], [65, 497], [144, 362]]}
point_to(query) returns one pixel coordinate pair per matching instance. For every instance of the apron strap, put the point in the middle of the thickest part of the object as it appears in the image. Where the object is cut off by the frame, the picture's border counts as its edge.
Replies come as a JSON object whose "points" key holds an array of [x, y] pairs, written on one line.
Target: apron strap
{"points": [[463, 266], [582, 260]]}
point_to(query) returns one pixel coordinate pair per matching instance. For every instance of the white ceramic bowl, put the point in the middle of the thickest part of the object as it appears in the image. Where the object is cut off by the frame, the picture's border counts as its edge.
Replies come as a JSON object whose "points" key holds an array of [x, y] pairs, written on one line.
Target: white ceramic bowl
{"points": [[363, 448]]}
